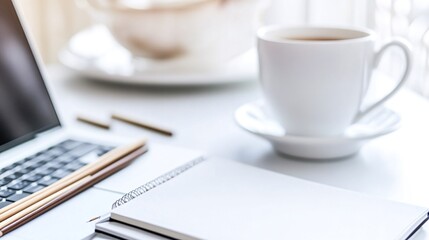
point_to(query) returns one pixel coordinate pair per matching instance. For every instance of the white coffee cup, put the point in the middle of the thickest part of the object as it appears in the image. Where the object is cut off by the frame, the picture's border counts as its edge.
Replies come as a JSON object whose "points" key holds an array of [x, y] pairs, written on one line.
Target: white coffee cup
{"points": [[314, 79]]}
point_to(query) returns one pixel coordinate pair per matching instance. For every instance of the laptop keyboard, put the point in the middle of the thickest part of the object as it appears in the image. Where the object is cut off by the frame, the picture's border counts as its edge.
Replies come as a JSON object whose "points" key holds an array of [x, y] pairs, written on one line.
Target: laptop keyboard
{"points": [[42, 169]]}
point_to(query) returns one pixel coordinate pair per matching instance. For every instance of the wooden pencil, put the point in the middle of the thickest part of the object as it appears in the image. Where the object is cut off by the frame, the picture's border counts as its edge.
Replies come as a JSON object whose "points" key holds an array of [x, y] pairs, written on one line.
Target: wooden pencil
{"points": [[54, 200], [87, 170], [93, 122], [142, 124]]}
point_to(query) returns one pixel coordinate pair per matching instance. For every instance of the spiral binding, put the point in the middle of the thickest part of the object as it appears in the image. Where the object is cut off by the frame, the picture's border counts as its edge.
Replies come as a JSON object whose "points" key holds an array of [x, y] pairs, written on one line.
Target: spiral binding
{"points": [[156, 182]]}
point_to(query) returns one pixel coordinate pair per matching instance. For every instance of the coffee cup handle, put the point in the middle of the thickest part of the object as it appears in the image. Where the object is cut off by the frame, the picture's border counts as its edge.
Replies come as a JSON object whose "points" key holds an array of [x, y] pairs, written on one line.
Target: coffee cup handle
{"points": [[403, 45]]}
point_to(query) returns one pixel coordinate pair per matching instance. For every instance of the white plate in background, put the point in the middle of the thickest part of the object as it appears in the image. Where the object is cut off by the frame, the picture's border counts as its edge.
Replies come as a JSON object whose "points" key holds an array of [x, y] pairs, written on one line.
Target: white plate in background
{"points": [[95, 54]]}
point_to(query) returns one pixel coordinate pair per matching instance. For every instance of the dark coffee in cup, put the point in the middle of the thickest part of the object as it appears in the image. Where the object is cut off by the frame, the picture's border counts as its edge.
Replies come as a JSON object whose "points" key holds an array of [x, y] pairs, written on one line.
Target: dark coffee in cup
{"points": [[315, 38]]}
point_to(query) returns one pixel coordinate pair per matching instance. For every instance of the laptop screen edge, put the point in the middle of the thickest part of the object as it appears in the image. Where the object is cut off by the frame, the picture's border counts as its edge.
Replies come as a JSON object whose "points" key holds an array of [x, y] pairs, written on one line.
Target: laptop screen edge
{"points": [[40, 69]]}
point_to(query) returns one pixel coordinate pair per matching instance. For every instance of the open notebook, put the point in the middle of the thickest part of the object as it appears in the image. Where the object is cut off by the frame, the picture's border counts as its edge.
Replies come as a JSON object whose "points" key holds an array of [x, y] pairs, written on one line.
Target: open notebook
{"points": [[218, 199]]}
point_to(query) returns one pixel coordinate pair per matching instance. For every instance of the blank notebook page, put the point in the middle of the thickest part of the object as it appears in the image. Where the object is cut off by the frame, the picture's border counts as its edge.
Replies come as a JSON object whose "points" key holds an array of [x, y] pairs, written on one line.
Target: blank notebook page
{"points": [[219, 199]]}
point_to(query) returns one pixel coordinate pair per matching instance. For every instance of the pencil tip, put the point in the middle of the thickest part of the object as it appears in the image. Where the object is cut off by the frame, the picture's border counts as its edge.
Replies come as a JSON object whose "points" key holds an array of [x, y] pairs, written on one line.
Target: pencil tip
{"points": [[90, 220]]}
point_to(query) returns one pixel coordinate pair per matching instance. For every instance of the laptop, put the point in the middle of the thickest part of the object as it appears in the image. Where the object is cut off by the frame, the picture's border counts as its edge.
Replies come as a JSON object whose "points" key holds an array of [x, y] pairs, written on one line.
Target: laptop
{"points": [[35, 150]]}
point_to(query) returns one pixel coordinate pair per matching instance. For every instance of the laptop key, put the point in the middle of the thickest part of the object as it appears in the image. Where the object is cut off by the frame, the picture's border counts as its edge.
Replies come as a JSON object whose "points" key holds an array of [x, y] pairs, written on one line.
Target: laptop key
{"points": [[55, 152], [4, 204], [17, 197], [20, 162], [34, 178], [6, 193], [54, 161], [102, 151], [60, 173], [21, 172], [43, 162], [14, 176], [70, 144], [19, 185], [47, 182], [45, 171], [5, 181], [58, 150], [7, 168], [30, 168], [66, 158], [82, 150], [25, 170], [29, 158], [55, 165], [33, 189], [74, 166], [36, 165]]}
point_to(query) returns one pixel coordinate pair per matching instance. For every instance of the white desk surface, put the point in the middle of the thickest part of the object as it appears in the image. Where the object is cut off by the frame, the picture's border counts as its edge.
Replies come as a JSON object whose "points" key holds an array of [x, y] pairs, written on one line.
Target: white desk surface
{"points": [[394, 166]]}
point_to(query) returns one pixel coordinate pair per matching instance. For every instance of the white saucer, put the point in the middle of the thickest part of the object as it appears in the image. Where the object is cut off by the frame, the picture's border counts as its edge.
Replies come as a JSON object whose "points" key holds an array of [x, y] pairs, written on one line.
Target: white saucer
{"points": [[95, 54], [253, 118]]}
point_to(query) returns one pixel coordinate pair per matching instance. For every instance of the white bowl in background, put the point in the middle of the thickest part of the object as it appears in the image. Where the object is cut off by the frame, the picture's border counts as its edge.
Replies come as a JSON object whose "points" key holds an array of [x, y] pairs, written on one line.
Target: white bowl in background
{"points": [[190, 32]]}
